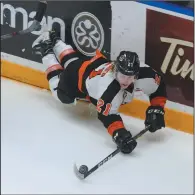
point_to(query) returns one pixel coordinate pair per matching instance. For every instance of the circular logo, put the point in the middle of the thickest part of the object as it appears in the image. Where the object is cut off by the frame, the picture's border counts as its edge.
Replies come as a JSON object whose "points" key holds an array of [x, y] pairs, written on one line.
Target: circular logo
{"points": [[87, 33]]}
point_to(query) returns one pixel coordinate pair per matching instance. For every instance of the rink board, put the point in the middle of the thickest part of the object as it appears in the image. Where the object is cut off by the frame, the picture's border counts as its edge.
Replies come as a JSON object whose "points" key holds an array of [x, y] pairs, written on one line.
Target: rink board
{"points": [[174, 119]]}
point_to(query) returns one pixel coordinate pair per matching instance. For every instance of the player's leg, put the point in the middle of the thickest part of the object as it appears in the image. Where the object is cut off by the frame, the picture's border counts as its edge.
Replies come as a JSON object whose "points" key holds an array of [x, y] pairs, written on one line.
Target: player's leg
{"points": [[53, 68], [63, 52], [71, 62]]}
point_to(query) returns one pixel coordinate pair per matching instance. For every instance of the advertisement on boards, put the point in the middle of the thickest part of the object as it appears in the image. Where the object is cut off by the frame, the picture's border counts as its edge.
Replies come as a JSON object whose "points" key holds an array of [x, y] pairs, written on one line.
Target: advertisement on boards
{"points": [[85, 25], [170, 50]]}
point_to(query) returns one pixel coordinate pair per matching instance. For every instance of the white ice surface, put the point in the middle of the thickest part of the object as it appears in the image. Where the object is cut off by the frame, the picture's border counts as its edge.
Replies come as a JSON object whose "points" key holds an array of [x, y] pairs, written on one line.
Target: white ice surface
{"points": [[41, 139]]}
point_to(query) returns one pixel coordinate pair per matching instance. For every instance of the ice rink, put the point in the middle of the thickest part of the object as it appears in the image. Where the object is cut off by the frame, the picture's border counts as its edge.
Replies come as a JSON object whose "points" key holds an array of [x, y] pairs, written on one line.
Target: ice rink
{"points": [[41, 139]]}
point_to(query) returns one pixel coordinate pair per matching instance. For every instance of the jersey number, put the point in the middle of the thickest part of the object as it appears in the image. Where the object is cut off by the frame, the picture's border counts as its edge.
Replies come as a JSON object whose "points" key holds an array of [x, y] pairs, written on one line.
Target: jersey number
{"points": [[100, 103]]}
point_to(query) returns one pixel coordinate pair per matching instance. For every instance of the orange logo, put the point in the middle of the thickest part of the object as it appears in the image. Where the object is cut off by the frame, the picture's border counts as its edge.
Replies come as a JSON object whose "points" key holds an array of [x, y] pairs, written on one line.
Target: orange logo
{"points": [[94, 73], [101, 72]]}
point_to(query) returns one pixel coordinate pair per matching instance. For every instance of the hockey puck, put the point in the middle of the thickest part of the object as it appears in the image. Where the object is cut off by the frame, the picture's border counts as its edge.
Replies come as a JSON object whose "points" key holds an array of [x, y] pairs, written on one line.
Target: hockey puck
{"points": [[83, 169]]}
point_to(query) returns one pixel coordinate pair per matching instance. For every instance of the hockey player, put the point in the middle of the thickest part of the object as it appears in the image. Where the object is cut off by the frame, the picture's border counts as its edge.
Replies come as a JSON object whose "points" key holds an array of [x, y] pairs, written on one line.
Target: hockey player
{"points": [[106, 84]]}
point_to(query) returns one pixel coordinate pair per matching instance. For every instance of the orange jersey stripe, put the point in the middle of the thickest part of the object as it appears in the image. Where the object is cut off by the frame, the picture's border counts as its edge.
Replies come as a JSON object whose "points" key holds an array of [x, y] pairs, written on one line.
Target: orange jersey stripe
{"points": [[115, 126], [84, 67], [158, 101]]}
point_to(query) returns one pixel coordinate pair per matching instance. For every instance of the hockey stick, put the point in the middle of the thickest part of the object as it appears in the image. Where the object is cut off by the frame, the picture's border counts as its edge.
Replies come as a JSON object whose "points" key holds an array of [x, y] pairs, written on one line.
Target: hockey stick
{"points": [[83, 172], [35, 25]]}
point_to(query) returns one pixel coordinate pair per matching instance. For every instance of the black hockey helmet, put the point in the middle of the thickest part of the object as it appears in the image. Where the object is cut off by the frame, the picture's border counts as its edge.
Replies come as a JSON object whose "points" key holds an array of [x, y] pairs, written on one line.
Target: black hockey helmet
{"points": [[128, 63]]}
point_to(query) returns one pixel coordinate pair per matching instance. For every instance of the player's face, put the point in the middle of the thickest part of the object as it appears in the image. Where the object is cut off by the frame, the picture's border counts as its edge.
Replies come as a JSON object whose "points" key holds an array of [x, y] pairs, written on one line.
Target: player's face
{"points": [[124, 80]]}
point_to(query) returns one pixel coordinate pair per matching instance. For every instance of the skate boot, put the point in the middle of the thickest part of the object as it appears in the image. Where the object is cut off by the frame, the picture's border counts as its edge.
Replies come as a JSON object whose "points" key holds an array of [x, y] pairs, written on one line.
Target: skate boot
{"points": [[43, 45], [54, 37]]}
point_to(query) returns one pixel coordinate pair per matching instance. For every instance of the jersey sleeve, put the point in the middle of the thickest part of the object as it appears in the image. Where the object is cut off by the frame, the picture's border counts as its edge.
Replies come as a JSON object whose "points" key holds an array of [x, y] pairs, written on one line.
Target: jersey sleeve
{"points": [[107, 111], [111, 122], [154, 86]]}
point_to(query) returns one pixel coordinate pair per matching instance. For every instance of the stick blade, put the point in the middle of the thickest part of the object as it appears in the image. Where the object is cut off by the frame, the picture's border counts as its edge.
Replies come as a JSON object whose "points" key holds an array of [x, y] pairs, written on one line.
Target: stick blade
{"points": [[77, 173]]}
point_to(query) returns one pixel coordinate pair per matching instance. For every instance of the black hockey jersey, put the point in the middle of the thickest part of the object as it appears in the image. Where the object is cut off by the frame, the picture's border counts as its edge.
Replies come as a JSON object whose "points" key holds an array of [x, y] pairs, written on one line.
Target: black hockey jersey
{"points": [[97, 80]]}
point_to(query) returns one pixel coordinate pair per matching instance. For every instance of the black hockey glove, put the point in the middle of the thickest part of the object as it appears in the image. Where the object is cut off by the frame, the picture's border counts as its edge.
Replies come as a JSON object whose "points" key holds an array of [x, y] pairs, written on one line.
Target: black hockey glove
{"points": [[155, 118], [124, 141]]}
